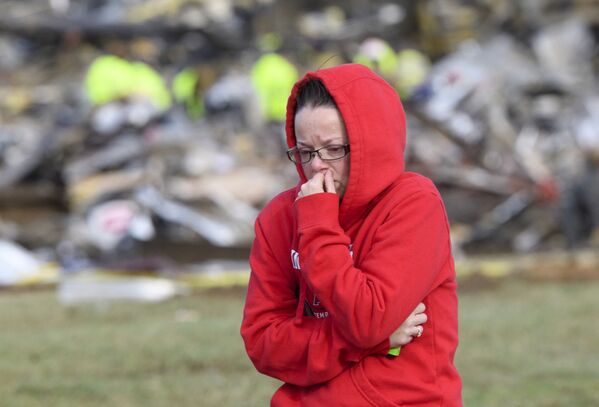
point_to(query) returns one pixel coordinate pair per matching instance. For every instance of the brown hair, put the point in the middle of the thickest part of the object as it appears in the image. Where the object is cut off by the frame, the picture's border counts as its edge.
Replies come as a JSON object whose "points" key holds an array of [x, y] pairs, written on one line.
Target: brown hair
{"points": [[313, 93]]}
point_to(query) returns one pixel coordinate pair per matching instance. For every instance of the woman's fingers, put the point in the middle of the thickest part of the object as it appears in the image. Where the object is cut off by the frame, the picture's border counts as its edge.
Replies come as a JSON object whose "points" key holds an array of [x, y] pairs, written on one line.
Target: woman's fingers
{"points": [[415, 321], [329, 182], [313, 186], [320, 182], [419, 319], [316, 183], [420, 308]]}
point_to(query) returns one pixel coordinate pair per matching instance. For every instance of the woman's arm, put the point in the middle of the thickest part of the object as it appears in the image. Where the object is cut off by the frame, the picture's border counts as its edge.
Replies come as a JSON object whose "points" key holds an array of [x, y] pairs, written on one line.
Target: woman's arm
{"points": [[295, 349], [405, 262]]}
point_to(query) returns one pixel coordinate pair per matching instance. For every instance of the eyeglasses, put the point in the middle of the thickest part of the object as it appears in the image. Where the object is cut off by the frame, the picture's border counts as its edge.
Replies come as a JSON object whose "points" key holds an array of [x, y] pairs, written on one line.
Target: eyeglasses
{"points": [[327, 153]]}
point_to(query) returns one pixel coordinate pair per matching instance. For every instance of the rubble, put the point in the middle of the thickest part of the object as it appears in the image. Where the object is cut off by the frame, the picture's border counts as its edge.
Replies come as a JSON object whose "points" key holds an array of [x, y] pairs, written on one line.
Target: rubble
{"points": [[505, 122], [18, 266]]}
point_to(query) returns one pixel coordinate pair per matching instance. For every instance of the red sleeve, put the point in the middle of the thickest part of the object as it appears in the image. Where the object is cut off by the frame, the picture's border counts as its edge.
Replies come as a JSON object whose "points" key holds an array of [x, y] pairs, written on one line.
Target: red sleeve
{"points": [[300, 351], [402, 265]]}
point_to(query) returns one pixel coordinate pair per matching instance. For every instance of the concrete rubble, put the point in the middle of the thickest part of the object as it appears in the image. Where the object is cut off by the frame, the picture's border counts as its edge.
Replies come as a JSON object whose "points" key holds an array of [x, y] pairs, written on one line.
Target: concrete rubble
{"points": [[505, 121]]}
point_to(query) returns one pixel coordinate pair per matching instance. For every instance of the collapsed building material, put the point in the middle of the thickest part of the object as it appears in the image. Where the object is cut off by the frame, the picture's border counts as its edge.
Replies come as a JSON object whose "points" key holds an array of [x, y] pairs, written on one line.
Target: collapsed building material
{"points": [[504, 124]]}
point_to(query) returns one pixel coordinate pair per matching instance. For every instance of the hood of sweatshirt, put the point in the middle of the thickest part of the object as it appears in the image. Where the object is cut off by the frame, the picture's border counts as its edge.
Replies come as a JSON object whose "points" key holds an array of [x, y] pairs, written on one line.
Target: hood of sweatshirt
{"points": [[375, 122]]}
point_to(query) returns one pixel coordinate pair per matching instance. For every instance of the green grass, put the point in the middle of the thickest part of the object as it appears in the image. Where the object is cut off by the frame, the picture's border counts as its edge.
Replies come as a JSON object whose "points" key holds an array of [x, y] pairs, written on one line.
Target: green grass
{"points": [[530, 345], [522, 344], [185, 352]]}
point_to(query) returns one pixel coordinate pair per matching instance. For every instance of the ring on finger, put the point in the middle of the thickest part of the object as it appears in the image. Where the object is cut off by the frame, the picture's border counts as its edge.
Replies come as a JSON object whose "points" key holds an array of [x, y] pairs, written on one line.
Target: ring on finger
{"points": [[420, 330]]}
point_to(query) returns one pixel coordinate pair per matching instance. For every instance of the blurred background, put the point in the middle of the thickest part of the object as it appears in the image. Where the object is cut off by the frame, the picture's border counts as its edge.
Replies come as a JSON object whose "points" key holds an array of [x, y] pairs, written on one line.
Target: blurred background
{"points": [[140, 138]]}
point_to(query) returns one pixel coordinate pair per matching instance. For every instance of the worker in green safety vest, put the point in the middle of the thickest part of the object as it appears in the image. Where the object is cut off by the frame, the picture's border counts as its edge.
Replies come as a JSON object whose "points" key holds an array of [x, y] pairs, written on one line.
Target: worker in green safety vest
{"points": [[273, 77], [189, 87], [406, 70], [111, 78]]}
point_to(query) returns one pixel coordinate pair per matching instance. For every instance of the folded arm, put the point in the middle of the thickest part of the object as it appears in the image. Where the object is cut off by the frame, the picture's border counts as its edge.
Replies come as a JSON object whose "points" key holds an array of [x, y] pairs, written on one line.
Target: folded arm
{"points": [[408, 251], [282, 344]]}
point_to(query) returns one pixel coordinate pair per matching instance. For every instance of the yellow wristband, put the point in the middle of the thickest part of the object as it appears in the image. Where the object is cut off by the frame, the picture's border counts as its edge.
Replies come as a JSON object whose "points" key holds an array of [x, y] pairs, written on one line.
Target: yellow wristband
{"points": [[394, 351]]}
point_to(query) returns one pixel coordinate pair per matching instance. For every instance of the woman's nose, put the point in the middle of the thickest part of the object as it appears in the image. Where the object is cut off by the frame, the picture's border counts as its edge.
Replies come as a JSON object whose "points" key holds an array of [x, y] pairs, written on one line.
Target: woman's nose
{"points": [[317, 164]]}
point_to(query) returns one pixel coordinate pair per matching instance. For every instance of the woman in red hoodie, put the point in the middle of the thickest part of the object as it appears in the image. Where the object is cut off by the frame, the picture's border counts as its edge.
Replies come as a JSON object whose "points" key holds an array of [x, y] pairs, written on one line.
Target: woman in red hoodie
{"points": [[340, 261]]}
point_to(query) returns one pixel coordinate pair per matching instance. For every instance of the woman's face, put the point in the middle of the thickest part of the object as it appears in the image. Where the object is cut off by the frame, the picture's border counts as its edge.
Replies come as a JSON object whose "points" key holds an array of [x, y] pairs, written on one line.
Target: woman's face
{"points": [[322, 126]]}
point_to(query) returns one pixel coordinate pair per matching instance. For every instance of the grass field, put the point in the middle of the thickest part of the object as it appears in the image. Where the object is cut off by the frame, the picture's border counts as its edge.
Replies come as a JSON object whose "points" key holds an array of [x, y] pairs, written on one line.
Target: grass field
{"points": [[522, 344]]}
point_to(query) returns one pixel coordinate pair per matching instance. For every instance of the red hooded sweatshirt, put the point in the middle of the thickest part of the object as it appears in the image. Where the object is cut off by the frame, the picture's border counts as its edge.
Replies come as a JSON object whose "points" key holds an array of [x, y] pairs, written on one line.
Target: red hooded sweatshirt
{"points": [[331, 281]]}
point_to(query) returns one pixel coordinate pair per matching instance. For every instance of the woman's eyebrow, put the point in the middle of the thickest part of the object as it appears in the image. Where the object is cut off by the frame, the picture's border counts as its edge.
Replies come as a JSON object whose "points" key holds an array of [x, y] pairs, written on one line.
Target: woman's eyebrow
{"points": [[334, 141]]}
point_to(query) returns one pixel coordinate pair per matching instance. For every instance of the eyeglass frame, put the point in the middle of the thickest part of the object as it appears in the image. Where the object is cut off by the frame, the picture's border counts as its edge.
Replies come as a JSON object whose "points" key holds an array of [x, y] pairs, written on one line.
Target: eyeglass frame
{"points": [[314, 153]]}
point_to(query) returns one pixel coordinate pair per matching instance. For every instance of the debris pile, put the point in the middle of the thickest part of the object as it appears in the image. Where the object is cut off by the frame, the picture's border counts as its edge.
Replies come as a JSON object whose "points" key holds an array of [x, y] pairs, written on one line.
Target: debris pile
{"points": [[514, 126], [135, 129]]}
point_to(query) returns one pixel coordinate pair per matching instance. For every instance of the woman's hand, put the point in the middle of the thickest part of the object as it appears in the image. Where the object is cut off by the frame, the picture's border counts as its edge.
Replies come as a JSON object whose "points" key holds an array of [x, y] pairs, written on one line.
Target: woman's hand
{"points": [[320, 182], [410, 328]]}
